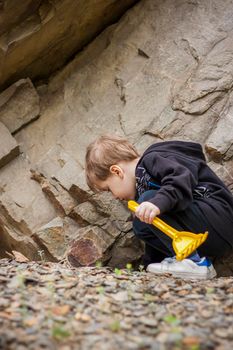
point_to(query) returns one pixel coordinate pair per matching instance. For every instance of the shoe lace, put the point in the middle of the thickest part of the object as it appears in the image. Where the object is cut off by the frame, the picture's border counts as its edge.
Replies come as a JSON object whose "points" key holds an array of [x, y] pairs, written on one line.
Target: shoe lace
{"points": [[170, 259]]}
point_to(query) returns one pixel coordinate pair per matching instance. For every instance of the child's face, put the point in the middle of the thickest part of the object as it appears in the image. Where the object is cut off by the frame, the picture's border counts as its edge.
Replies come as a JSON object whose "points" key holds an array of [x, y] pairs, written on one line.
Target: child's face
{"points": [[121, 183]]}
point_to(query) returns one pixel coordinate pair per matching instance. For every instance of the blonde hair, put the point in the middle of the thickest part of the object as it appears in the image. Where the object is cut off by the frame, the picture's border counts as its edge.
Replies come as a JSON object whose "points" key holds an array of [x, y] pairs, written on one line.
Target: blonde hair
{"points": [[105, 151]]}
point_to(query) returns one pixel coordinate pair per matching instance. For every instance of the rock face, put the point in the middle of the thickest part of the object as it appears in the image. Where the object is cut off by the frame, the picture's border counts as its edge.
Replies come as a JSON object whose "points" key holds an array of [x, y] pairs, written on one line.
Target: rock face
{"points": [[39, 36], [9, 148], [164, 71], [19, 104]]}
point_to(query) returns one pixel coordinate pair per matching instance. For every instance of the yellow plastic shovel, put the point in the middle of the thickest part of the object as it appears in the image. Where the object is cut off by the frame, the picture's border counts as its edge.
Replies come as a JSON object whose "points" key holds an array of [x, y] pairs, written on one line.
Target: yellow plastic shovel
{"points": [[184, 243]]}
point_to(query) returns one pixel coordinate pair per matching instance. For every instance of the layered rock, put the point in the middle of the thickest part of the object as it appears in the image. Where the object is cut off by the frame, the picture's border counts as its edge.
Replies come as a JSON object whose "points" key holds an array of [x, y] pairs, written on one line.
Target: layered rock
{"points": [[9, 148], [39, 36], [163, 72], [19, 105]]}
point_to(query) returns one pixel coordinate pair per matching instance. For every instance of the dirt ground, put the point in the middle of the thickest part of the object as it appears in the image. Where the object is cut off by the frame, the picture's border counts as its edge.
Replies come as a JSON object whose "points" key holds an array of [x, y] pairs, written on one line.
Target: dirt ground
{"points": [[55, 306]]}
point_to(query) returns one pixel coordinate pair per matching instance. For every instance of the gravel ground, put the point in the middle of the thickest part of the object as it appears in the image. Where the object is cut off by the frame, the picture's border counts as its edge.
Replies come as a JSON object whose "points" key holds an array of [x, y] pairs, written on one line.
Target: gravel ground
{"points": [[55, 306]]}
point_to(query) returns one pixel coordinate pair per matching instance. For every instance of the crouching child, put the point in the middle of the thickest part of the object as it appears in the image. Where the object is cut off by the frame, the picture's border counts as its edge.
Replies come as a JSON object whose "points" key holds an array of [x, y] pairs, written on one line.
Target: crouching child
{"points": [[172, 180]]}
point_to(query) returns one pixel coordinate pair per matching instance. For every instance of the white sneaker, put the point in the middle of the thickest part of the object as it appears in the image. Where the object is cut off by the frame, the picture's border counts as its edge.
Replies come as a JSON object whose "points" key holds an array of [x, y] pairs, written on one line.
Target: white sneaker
{"points": [[186, 268]]}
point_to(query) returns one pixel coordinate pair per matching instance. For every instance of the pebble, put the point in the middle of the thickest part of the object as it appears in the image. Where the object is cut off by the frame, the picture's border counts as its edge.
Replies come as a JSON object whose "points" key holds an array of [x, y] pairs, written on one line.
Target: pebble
{"points": [[50, 306]]}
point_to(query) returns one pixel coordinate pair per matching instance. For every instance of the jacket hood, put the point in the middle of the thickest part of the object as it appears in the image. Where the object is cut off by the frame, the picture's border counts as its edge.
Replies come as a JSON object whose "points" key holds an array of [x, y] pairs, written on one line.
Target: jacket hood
{"points": [[190, 149]]}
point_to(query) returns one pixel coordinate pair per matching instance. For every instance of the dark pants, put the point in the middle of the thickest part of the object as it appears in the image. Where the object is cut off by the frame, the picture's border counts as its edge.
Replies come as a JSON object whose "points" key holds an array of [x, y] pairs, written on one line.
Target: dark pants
{"points": [[158, 245]]}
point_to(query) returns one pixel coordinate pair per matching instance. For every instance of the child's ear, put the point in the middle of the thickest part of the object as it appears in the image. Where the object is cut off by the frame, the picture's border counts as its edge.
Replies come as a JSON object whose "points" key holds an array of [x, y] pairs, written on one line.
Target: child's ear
{"points": [[116, 170]]}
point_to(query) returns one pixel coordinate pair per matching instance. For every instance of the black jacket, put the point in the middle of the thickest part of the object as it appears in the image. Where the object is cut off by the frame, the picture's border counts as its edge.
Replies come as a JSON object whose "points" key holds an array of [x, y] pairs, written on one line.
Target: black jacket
{"points": [[179, 172]]}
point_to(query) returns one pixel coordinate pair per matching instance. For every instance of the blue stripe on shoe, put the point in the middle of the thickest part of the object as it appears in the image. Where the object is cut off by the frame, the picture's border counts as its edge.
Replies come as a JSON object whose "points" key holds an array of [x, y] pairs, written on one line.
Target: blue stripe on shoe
{"points": [[195, 257], [204, 262]]}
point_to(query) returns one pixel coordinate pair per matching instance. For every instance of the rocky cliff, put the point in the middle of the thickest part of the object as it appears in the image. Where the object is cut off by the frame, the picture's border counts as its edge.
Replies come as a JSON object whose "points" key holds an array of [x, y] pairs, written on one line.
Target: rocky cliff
{"points": [[163, 71]]}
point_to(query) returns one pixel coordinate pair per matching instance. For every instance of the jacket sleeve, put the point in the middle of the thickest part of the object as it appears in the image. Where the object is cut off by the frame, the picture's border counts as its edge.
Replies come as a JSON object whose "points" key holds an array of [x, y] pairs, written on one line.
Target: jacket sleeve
{"points": [[177, 182]]}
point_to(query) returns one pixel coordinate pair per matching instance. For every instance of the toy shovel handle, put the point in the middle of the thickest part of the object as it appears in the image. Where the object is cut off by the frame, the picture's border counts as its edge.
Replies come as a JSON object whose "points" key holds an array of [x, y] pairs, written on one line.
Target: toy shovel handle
{"points": [[160, 224]]}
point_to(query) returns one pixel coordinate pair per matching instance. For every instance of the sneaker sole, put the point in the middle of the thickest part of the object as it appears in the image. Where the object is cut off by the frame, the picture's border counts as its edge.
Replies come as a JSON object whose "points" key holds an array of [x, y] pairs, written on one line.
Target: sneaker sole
{"points": [[184, 275]]}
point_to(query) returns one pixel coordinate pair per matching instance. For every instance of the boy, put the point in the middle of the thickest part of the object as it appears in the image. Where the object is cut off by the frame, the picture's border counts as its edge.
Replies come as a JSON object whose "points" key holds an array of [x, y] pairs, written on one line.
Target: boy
{"points": [[170, 180]]}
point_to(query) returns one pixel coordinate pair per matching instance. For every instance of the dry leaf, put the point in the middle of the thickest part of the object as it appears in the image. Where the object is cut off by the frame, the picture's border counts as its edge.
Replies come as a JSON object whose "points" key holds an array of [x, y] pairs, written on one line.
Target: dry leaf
{"points": [[61, 310], [19, 257], [9, 254], [183, 292], [191, 341], [30, 322]]}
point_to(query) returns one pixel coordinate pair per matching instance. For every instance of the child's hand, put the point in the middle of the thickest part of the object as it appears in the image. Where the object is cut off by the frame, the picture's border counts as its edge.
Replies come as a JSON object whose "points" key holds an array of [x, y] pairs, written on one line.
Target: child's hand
{"points": [[147, 211]]}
